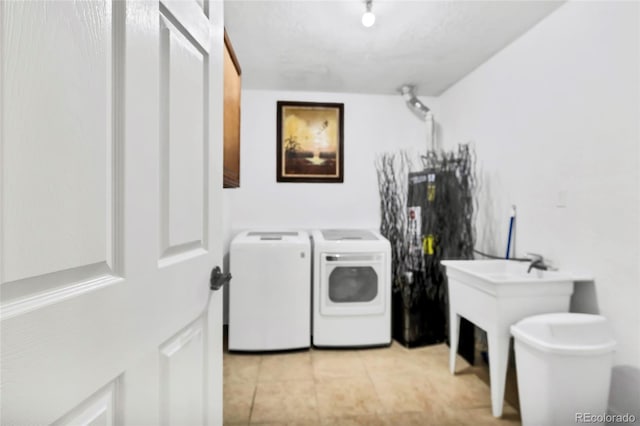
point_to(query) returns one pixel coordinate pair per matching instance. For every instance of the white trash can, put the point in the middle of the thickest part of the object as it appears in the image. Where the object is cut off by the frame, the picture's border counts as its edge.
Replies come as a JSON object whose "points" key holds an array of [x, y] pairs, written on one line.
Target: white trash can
{"points": [[563, 362]]}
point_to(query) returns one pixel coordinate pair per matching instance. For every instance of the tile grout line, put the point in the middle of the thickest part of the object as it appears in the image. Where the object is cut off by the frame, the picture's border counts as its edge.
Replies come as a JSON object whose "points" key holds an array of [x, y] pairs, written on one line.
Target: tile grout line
{"points": [[253, 400], [316, 382], [375, 390], [255, 389], [315, 392]]}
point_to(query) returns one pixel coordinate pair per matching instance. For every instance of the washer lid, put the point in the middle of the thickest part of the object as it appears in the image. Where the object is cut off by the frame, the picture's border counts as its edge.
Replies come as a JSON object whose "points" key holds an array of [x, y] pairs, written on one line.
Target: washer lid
{"points": [[566, 333], [272, 235], [348, 234]]}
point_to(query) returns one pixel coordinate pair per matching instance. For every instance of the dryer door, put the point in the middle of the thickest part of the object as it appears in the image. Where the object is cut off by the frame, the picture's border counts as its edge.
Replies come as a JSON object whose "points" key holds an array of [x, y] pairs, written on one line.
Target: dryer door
{"points": [[352, 284]]}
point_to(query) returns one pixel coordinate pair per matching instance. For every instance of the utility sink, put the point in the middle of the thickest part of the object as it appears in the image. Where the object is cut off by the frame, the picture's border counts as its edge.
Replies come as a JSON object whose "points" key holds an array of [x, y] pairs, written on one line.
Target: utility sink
{"points": [[494, 294], [507, 277]]}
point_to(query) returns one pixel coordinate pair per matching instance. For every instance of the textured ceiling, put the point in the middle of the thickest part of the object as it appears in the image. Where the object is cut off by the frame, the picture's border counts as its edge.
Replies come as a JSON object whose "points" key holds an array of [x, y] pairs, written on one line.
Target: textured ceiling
{"points": [[322, 45]]}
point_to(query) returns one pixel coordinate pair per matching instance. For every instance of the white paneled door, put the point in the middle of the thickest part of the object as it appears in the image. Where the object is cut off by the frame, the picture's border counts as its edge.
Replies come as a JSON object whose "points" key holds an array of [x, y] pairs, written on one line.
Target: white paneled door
{"points": [[110, 187]]}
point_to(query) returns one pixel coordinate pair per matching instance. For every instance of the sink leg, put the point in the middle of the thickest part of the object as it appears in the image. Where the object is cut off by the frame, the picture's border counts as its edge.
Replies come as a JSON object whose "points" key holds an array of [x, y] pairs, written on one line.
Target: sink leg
{"points": [[454, 333], [498, 357]]}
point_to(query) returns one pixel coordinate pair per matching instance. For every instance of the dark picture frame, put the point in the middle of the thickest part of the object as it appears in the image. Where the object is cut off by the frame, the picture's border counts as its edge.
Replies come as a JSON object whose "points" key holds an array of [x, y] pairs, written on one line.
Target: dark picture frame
{"points": [[310, 142]]}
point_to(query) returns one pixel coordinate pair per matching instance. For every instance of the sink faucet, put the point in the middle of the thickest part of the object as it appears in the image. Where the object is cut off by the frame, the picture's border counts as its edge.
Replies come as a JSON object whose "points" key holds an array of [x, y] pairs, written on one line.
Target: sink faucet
{"points": [[537, 261]]}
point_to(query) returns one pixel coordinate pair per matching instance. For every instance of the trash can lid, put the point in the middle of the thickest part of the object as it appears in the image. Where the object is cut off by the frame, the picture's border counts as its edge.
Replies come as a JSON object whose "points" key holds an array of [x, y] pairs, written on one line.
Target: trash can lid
{"points": [[566, 333]]}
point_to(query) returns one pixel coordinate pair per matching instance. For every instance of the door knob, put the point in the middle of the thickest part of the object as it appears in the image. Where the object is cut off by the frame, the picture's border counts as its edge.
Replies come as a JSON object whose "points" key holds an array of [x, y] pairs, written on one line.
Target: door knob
{"points": [[218, 279]]}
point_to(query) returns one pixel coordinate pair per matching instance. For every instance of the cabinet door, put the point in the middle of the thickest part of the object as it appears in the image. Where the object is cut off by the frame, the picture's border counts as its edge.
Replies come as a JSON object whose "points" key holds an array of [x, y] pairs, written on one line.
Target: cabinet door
{"points": [[232, 86]]}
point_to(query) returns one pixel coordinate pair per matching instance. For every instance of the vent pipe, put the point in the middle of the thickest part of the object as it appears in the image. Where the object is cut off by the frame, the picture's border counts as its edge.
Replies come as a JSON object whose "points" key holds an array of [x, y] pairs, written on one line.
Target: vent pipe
{"points": [[421, 111]]}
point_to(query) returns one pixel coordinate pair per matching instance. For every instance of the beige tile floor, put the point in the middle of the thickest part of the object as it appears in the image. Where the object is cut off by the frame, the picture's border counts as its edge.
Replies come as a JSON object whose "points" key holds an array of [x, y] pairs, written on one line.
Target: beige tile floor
{"points": [[385, 386]]}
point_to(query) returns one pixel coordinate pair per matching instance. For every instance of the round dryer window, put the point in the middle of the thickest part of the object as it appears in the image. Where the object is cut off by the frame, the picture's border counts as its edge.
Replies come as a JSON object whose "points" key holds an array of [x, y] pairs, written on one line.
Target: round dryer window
{"points": [[353, 284]]}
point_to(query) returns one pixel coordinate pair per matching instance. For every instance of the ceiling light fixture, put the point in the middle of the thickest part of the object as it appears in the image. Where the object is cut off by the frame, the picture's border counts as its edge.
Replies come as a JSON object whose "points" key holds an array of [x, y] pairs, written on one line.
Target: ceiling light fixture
{"points": [[368, 18]]}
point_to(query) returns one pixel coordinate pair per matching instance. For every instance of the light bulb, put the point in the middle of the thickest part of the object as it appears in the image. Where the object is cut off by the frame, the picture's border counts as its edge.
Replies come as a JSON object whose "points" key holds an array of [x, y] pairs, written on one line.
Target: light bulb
{"points": [[368, 18]]}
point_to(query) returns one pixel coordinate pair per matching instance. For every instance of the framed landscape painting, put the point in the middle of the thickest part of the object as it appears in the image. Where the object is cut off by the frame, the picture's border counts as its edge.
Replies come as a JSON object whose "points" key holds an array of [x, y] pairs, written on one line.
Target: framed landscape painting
{"points": [[310, 143]]}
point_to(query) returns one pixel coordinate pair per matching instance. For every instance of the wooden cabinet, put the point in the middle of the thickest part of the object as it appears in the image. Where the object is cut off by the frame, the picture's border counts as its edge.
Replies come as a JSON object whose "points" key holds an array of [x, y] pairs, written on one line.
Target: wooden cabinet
{"points": [[232, 87]]}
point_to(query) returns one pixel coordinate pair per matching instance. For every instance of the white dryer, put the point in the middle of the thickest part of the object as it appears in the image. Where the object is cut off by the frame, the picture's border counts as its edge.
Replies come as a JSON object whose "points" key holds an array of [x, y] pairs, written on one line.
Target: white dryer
{"points": [[351, 288], [269, 303]]}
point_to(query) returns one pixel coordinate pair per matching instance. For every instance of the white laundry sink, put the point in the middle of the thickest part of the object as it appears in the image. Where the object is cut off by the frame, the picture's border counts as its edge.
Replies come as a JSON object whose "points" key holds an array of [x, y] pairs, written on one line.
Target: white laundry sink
{"points": [[507, 277], [494, 294]]}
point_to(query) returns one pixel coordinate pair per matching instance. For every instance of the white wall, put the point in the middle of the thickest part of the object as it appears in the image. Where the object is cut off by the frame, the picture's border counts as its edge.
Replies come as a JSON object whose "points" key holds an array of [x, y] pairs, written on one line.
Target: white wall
{"points": [[555, 119], [372, 124]]}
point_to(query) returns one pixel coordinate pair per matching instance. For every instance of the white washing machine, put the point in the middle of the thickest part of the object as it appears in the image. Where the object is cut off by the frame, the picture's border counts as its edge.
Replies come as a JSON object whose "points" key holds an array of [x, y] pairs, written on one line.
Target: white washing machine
{"points": [[270, 293], [351, 288]]}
